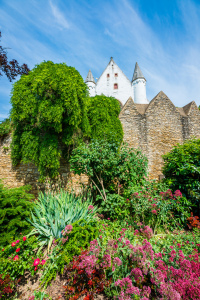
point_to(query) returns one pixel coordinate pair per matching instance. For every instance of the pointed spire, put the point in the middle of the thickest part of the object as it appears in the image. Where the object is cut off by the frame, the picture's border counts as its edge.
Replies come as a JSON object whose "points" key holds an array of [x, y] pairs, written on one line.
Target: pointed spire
{"points": [[90, 77], [137, 73]]}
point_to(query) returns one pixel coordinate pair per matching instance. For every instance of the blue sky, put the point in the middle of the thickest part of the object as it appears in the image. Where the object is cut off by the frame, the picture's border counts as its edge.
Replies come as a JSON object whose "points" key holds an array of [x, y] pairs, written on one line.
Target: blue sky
{"points": [[162, 36]]}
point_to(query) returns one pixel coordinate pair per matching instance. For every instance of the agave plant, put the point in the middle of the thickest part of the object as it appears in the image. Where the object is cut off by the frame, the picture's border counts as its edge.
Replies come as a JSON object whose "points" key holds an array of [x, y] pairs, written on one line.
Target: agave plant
{"points": [[53, 211]]}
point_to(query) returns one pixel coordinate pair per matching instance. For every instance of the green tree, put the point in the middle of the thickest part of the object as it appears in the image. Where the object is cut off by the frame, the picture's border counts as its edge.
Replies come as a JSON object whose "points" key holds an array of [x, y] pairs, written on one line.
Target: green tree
{"points": [[182, 169], [49, 116], [103, 115], [108, 166]]}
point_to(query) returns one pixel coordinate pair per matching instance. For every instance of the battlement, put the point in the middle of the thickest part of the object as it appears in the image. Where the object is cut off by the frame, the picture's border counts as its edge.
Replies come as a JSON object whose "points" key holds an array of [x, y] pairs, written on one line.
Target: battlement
{"points": [[158, 126]]}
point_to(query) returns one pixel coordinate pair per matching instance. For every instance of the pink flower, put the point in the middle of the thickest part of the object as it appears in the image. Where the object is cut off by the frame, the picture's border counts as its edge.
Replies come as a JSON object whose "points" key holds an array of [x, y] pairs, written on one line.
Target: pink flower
{"points": [[154, 211], [13, 244], [24, 238], [43, 262], [18, 249], [90, 207], [2, 249], [36, 262], [100, 236], [16, 257], [35, 269], [17, 242]]}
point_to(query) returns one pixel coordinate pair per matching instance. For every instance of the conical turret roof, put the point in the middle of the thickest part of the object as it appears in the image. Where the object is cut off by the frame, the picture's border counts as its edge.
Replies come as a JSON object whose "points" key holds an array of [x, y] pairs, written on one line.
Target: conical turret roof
{"points": [[90, 77], [137, 73]]}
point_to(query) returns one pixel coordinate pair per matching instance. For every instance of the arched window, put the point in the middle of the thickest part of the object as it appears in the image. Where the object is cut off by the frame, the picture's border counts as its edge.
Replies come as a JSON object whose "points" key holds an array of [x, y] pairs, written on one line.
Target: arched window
{"points": [[108, 75], [116, 74], [115, 86]]}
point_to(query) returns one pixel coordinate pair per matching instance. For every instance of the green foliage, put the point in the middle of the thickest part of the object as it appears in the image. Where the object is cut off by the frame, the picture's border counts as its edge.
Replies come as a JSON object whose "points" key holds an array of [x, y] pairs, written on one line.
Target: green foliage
{"points": [[115, 207], [109, 167], [38, 295], [49, 115], [103, 115], [184, 240], [15, 205], [53, 211], [63, 253], [15, 263], [156, 208], [5, 128], [182, 169]]}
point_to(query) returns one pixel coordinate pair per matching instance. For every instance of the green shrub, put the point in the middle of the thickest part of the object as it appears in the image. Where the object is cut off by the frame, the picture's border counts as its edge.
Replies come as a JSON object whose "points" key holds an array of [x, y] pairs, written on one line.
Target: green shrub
{"points": [[182, 170], [15, 205], [110, 168], [103, 115], [53, 211], [68, 247]]}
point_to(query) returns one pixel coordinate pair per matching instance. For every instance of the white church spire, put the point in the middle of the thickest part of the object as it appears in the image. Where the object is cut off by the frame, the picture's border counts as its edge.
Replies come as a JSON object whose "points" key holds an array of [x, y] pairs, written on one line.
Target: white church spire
{"points": [[91, 84], [90, 77], [139, 86]]}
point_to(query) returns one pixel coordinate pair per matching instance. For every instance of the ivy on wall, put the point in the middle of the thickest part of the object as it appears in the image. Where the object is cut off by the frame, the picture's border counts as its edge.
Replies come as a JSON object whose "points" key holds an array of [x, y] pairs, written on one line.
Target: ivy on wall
{"points": [[103, 115]]}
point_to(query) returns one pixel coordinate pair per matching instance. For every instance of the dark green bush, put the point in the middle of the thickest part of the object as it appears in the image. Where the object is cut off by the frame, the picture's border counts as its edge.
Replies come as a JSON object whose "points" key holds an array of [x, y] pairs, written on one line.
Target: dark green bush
{"points": [[182, 170], [15, 205]]}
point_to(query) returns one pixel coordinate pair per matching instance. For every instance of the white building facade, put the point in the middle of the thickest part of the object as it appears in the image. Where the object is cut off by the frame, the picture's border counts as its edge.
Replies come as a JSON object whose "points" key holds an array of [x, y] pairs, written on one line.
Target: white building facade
{"points": [[113, 82]]}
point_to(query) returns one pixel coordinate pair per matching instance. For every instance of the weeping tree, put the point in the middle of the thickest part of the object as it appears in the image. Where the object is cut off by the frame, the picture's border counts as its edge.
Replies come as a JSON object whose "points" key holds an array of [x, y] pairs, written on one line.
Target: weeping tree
{"points": [[49, 115]]}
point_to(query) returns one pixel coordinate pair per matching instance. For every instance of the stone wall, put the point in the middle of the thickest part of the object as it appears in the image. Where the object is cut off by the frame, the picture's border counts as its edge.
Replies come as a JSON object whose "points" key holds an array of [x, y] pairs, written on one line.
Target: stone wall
{"points": [[28, 174], [156, 127]]}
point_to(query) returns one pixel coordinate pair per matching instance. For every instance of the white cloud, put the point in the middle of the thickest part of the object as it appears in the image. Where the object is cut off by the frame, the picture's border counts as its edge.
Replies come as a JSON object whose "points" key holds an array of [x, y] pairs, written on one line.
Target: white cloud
{"points": [[59, 17]]}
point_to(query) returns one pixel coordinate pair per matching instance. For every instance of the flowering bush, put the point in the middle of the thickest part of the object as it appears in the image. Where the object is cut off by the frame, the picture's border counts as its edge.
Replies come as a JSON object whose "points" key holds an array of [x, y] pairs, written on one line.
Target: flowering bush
{"points": [[158, 208], [20, 256], [137, 270]]}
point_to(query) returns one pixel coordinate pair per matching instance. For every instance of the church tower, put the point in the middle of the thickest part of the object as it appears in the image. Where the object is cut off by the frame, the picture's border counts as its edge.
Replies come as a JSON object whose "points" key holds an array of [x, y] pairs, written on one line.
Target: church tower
{"points": [[91, 83], [139, 86]]}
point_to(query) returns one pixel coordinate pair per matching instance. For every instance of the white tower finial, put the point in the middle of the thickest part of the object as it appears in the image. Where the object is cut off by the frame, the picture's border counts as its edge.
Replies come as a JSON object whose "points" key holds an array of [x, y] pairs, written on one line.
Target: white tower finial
{"points": [[139, 86], [90, 83]]}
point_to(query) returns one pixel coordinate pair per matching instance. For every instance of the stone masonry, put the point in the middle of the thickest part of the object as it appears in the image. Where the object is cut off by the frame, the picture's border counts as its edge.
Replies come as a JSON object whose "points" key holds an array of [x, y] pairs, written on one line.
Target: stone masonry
{"points": [[154, 128], [158, 126]]}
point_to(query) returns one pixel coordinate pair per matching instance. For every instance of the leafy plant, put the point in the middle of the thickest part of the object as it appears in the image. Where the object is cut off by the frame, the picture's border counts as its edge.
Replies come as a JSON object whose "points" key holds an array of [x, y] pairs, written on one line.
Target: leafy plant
{"points": [[53, 211], [5, 128], [103, 115], [182, 170], [49, 115], [38, 295], [67, 247], [108, 167], [7, 286], [15, 205]]}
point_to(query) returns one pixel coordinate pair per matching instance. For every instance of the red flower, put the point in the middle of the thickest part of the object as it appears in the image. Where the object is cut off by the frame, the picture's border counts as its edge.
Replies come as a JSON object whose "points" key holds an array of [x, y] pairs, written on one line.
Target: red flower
{"points": [[13, 244], [24, 238], [36, 262], [18, 249], [35, 269], [16, 257]]}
